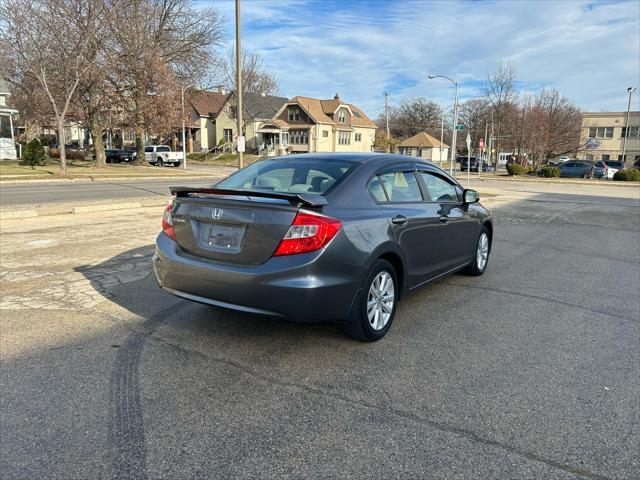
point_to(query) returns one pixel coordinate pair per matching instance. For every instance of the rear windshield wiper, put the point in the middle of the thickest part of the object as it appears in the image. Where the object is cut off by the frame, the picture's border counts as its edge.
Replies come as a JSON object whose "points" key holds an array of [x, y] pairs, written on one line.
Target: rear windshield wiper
{"points": [[308, 199]]}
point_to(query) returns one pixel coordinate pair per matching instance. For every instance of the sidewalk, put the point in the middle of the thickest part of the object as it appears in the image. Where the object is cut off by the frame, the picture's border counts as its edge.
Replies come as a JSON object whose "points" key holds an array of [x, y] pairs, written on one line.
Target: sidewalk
{"points": [[195, 172]]}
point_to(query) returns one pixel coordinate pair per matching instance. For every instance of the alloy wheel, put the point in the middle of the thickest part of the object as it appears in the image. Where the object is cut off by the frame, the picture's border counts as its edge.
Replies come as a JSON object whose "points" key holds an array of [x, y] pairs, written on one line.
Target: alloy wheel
{"points": [[483, 251], [380, 300]]}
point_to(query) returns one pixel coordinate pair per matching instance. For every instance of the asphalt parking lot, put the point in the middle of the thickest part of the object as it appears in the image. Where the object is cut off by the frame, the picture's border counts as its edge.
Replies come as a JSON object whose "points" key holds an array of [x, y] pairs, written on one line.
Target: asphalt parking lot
{"points": [[530, 371]]}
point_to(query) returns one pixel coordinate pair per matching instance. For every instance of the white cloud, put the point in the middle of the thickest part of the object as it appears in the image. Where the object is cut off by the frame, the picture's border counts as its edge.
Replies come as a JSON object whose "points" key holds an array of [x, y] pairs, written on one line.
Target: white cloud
{"points": [[589, 51]]}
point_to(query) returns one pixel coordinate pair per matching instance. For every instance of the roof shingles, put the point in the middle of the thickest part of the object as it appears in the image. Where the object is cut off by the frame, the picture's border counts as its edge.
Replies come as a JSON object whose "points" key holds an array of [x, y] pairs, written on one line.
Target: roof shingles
{"points": [[422, 140]]}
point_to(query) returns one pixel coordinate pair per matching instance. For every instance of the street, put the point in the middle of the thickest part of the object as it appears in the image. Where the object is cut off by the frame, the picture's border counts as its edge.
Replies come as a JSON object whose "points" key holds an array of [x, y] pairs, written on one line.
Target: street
{"points": [[530, 371]]}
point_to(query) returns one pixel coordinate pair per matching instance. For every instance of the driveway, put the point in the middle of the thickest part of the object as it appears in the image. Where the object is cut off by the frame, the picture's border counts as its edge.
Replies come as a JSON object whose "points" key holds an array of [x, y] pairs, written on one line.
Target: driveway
{"points": [[530, 371]]}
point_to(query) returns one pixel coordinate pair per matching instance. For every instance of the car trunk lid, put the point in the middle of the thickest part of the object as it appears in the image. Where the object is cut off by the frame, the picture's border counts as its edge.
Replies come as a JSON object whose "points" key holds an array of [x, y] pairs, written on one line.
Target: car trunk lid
{"points": [[234, 226]]}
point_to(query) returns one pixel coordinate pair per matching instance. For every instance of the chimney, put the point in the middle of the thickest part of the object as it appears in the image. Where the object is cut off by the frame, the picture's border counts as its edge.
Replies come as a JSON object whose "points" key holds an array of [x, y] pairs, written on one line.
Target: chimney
{"points": [[221, 89], [336, 96]]}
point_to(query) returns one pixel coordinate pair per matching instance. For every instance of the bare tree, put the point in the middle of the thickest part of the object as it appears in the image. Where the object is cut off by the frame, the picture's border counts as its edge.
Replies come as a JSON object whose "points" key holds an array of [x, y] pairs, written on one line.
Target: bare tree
{"points": [[413, 116], [499, 90], [553, 126], [152, 43], [256, 78], [48, 42], [475, 115]]}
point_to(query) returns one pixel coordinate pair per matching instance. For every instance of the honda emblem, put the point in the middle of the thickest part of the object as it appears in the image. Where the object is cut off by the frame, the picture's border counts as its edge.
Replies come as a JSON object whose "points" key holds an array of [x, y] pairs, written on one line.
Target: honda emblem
{"points": [[216, 213]]}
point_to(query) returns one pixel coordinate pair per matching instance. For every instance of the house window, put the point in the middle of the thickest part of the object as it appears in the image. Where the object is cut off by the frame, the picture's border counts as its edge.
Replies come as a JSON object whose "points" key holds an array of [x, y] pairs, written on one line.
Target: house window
{"points": [[590, 157], [634, 132], [233, 111], [228, 135], [344, 138], [5, 127], [298, 137], [325, 133], [408, 150], [358, 137], [605, 158], [285, 138], [342, 116], [293, 114], [622, 159], [601, 132]]}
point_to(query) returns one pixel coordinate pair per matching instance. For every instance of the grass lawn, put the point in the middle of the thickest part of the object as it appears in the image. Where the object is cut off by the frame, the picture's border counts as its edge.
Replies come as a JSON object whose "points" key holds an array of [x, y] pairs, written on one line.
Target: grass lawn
{"points": [[227, 159], [12, 170]]}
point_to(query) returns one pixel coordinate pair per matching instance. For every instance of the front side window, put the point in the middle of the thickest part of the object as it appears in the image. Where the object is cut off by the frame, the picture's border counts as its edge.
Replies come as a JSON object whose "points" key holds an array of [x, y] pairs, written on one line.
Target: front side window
{"points": [[401, 187], [344, 138], [439, 189], [288, 176]]}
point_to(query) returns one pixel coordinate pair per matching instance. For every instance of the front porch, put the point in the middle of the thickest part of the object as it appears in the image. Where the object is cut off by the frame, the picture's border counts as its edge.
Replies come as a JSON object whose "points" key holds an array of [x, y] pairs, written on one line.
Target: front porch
{"points": [[277, 138]]}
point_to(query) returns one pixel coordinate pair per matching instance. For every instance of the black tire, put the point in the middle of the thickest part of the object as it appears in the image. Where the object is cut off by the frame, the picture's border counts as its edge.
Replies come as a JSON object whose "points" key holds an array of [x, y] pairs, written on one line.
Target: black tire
{"points": [[357, 325], [160, 163], [475, 269]]}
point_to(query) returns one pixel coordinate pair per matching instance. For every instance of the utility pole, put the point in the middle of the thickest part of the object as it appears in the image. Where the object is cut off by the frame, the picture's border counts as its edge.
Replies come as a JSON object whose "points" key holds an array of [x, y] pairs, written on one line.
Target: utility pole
{"points": [[240, 144], [386, 115], [630, 90]]}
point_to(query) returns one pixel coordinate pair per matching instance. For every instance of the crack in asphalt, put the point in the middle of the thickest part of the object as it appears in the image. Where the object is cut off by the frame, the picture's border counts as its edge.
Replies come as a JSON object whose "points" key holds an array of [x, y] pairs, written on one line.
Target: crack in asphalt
{"points": [[442, 426], [546, 299]]}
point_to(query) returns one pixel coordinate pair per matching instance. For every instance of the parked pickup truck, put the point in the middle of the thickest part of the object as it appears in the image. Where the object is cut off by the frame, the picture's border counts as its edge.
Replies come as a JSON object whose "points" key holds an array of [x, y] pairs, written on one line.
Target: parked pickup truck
{"points": [[162, 155]]}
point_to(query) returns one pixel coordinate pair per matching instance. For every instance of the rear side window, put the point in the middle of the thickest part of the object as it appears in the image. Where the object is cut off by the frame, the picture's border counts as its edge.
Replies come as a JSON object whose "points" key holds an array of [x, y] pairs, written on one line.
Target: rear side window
{"points": [[439, 189], [289, 175], [401, 187], [375, 187]]}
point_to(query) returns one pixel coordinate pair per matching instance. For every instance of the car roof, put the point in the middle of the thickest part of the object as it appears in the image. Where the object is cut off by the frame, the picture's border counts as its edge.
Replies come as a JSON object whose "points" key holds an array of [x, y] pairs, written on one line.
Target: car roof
{"points": [[371, 158]]}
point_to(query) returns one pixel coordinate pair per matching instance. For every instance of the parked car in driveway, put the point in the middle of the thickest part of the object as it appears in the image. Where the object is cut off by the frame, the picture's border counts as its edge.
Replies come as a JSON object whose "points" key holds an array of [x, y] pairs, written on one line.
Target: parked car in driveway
{"points": [[162, 155], [117, 155], [577, 169], [559, 160], [475, 164], [314, 237]]}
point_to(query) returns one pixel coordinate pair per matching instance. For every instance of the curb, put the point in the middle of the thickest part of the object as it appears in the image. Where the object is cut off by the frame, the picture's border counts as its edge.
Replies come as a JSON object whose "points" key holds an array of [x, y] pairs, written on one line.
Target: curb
{"points": [[110, 179], [78, 209], [517, 178]]}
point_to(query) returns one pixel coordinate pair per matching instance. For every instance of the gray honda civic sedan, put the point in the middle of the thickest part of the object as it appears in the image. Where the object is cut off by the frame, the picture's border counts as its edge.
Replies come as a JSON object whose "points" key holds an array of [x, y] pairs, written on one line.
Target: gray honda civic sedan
{"points": [[313, 237]]}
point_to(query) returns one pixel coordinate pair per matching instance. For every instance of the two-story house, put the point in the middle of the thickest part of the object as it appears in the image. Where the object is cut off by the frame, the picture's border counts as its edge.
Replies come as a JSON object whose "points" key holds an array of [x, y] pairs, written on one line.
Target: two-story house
{"points": [[214, 118], [306, 124], [7, 141]]}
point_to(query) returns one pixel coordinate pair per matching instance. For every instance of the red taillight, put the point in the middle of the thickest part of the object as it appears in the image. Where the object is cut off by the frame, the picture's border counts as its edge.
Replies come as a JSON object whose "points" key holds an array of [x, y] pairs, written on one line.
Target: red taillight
{"points": [[167, 221], [308, 232]]}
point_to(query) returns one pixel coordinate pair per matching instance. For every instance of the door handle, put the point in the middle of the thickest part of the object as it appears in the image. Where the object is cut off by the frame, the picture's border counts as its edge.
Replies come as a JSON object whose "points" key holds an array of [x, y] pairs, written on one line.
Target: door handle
{"points": [[444, 219], [399, 220]]}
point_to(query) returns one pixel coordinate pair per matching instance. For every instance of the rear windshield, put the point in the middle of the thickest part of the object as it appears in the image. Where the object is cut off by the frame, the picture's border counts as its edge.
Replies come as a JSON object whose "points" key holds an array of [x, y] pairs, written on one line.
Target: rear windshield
{"points": [[163, 149], [289, 175]]}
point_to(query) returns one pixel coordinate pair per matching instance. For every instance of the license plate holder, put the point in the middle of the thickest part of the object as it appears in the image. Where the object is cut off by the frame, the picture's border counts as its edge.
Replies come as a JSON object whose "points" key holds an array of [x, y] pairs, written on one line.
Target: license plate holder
{"points": [[223, 238]]}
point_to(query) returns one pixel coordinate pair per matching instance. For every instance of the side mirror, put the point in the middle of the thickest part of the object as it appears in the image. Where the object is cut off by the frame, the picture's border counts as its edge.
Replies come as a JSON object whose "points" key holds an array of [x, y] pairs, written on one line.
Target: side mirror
{"points": [[470, 196]]}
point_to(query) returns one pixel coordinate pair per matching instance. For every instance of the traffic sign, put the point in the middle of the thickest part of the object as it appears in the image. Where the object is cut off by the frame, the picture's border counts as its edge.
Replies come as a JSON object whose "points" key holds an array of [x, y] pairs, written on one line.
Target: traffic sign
{"points": [[240, 143], [459, 127]]}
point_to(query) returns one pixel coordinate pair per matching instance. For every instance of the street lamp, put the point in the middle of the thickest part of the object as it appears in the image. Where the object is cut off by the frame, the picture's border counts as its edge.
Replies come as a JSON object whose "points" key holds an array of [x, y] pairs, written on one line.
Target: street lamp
{"points": [[455, 121], [442, 131], [630, 91]]}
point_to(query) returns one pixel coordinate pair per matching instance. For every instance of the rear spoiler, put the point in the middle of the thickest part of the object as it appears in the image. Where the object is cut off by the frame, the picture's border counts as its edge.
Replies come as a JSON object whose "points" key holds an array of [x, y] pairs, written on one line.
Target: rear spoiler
{"points": [[308, 199]]}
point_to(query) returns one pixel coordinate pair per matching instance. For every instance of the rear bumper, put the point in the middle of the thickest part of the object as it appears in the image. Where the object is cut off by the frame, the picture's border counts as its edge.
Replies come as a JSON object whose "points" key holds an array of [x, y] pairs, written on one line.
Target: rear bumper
{"points": [[307, 287]]}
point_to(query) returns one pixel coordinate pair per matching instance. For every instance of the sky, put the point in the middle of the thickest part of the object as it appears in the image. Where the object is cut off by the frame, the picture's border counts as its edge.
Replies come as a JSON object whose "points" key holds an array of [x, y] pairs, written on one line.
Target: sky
{"points": [[588, 50]]}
